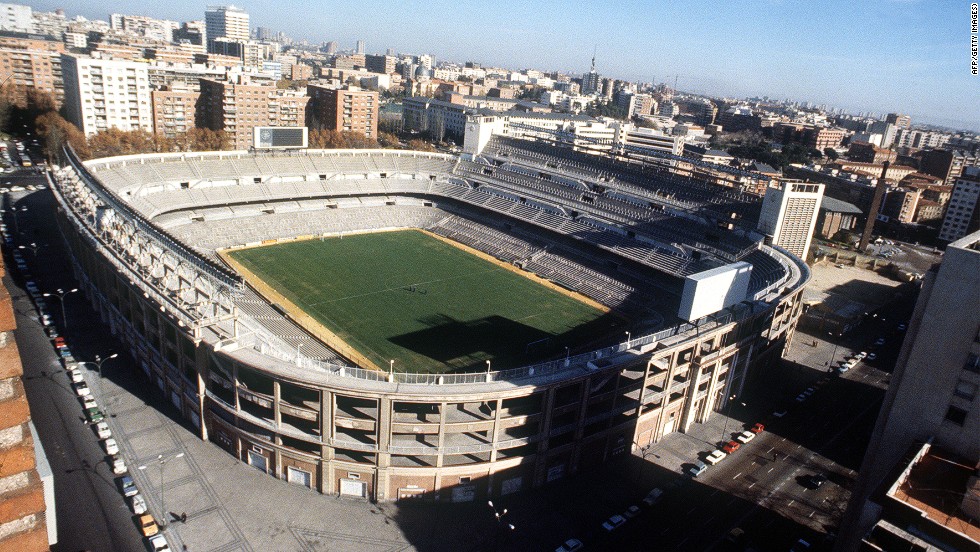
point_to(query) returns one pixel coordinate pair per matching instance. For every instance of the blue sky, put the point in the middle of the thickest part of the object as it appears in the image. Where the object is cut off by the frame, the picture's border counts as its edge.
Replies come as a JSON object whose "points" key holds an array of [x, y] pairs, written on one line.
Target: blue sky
{"points": [[863, 55]]}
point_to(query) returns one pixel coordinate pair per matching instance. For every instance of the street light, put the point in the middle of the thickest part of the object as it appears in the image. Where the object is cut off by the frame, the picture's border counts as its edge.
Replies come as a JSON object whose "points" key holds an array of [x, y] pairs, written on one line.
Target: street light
{"points": [[500, 524], [15, 210], [33, 246], [629, 339], [163, 505], [60, 294], [833, 356], [488, 366], [724, 429]]}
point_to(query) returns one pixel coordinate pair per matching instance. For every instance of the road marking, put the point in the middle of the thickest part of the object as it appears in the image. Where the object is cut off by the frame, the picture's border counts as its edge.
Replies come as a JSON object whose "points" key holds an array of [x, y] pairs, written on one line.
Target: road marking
{"points": [[736, 475], [716, 492], [682, 542], [798, 447], [783, 439], [752, 485], [664, 532], [691, 510], [791, 502], [811, 514], [770, 450], [770, 470]]}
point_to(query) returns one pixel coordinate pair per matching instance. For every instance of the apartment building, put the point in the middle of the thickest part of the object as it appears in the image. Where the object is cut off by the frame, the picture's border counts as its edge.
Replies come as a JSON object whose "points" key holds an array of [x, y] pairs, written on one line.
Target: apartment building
{"points": [[238, 105], [789, 215], [106, 93], [174, 110], [226, 22], [963, 212], [30, 61], [17, 18], [344, 109]]}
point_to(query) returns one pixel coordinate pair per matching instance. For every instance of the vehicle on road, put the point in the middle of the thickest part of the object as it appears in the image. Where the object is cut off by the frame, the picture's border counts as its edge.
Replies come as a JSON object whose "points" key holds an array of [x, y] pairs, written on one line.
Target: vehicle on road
{"points": [[81, 389], [653, 497], [779, 414], [127, 486], [861, 355], [697, 469], [158, 543], [809, 391], [872, 356], [613, 523], [800, 546], [758, 428], [879, 342], [94, 414], [110, 446], [731, 446], [102, 430], [571, 545], [801, 397], [118, 466], [745, 437], [715, 457], [147, 526], [815, 481], [137, 504]]}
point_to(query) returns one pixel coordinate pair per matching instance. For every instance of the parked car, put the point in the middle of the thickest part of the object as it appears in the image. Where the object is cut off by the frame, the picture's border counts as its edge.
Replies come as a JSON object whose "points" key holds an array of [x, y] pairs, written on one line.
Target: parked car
{"points": [[158, 543], [65, 352], [46, 320], [697, 469], [731, 446], [861, 355], [715, 457], [571, 545], [81, 389], [94, 415], [801, 397], [118, 466], [59, 342], [745, 437], [89, 402], [614, 522], [653, 497], [879, 342], [758, 428], [137, 504], [872, 356], [127, 486], [800, 546], [102, 430], [147, 525], [631, 512], [779, 414], [76, 376], [110, 446]]}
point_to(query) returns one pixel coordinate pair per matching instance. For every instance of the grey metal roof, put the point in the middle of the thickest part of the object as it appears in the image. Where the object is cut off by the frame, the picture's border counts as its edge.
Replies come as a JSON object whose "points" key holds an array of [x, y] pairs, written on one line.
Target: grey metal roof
{"points": [[838, 206]]}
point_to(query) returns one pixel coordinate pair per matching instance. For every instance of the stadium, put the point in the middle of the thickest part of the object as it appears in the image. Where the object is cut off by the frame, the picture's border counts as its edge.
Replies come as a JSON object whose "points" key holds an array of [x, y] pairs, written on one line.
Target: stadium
{"points": [[404, 325]]}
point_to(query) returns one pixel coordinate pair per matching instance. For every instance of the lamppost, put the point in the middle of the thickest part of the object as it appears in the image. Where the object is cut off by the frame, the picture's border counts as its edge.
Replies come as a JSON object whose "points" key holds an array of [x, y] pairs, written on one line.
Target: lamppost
{"points": [[568, 353], [60, 294], [33, 246], [488, 366], [833, 356], [728, 415], [629, 339], [163, 505], [16, 221], [501, 526]]}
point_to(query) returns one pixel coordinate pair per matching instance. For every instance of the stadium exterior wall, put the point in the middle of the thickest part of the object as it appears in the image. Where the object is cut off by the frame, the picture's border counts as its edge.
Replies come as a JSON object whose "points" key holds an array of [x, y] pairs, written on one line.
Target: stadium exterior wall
{"points": [[386, 440]]}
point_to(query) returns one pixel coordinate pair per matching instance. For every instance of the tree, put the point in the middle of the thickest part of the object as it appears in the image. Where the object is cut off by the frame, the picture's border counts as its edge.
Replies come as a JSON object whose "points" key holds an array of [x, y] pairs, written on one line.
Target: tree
{"points": [[600, 108], [388, 140], [420, 145], [831, 154], [55, 132], [205, 139]]}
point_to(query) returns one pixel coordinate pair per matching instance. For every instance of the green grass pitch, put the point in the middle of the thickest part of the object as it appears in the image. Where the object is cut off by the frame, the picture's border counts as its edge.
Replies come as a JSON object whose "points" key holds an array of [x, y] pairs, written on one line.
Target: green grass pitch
{"points": [[428, 305]]}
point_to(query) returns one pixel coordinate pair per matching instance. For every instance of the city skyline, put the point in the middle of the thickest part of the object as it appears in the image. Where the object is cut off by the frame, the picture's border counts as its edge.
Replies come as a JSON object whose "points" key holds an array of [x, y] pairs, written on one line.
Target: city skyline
{"points": [[882, 56]]}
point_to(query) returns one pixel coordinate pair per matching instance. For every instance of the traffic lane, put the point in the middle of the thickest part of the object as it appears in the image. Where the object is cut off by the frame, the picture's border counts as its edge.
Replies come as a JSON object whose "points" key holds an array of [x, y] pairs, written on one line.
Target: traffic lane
{"points": [[90, 511]]}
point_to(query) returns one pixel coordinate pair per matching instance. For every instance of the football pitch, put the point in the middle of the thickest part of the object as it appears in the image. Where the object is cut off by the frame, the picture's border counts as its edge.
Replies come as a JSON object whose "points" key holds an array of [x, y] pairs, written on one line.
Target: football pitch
{"points": [[429, 306]]}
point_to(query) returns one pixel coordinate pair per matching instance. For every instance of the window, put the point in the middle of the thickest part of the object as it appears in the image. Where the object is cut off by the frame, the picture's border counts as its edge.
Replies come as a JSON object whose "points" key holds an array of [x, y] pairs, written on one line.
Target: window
{"points": [[965, 390], [956, 415]]}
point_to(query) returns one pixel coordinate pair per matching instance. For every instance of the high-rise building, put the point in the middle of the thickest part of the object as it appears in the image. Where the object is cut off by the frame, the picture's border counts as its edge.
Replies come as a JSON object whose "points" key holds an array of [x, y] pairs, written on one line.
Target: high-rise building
{"points": [[360, 47], [380, 64], [345, 109], [30, 62], [16, 18], [899, 120], [237, 106], [591, 80], [789, 215], [963, 211], [330, 48], [106, 93], [264, 33], [916, 476], [226, 22]]}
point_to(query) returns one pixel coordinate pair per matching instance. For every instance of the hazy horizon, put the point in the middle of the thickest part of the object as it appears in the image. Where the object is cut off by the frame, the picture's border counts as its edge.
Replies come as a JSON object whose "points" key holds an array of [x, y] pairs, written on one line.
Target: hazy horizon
{"points": [[879, 56]]}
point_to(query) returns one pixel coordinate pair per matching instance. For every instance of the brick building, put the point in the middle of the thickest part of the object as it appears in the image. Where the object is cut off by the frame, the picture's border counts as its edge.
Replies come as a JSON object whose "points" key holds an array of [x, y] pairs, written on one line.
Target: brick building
{"points": [[174, 110], [31, 61], [344, 109], [23, 519], [237, 106]]}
